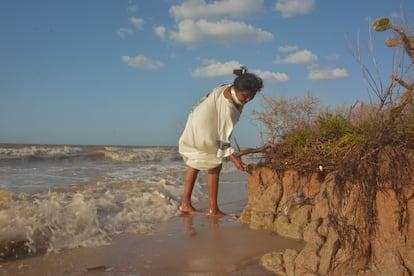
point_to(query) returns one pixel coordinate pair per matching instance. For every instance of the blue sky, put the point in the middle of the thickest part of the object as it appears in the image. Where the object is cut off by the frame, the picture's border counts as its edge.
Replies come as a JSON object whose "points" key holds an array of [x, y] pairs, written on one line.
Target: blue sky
{"points": [[127, 72]]}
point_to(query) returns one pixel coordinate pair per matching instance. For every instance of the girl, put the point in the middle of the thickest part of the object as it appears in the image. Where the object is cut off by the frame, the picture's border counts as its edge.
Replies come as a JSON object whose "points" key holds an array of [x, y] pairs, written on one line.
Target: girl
{"points": [[205, 141]]}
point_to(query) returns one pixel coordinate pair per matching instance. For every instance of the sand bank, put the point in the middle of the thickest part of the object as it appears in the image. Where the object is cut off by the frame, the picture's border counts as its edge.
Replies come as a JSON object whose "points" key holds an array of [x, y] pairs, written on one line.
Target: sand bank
{"points": [[183, 245]]}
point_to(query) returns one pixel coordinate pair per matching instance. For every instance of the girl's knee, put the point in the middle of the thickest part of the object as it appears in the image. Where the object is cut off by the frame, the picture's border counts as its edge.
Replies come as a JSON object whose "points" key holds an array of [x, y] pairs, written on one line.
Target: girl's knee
{"points": [[192, 170]]}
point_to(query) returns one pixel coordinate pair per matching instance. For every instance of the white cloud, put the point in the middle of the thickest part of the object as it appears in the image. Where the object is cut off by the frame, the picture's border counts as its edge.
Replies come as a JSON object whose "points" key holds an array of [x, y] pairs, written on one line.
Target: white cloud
{"points": [[271, 78], [201, 22], [213, 69], [142, 62], [299, 57], [160, 31], [123, 32], [195, 33], [317, 72], [290, 8], [137, 22], [199, 9]]}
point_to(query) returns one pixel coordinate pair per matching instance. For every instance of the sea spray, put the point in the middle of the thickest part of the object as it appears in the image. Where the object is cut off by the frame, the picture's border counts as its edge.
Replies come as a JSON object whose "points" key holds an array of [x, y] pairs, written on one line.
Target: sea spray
{"points": [[88, 217], [58, 197]]}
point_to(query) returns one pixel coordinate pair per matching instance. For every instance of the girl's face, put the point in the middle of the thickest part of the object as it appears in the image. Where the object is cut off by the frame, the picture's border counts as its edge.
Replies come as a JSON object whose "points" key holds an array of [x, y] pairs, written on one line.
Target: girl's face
{"points": [[245, 96]]}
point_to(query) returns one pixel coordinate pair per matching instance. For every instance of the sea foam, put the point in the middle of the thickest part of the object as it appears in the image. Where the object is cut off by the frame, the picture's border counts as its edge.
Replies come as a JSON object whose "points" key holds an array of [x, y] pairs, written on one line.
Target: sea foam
{"points": [[58, 197]]}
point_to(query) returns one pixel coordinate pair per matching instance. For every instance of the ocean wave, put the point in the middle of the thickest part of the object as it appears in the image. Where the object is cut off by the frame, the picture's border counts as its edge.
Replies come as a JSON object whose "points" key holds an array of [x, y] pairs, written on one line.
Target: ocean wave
{"points": [[57, 197], [84, 216], [20, 150], [142, 153], [55, 152], [39, 151]]}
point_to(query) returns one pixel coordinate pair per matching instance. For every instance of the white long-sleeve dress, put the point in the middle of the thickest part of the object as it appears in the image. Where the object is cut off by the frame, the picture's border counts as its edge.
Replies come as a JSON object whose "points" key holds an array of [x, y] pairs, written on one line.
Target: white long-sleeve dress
{"points": [[205, 141]]}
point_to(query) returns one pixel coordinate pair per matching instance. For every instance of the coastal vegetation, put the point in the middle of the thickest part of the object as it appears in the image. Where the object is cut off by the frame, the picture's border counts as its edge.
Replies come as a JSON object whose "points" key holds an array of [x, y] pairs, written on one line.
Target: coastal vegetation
{"points": [[307, 133], [341, 179]]}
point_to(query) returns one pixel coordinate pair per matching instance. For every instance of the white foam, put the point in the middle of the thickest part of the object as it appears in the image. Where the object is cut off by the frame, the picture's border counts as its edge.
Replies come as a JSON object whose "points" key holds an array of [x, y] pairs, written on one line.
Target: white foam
{"points": [[85, 201], [141, 153], [89, 216], [25, 151]]}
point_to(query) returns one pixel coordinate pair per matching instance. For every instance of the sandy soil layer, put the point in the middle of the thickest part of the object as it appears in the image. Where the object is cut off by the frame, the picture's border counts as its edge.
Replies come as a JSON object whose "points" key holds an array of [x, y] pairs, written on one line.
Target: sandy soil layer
{"points": [[183, 245]]}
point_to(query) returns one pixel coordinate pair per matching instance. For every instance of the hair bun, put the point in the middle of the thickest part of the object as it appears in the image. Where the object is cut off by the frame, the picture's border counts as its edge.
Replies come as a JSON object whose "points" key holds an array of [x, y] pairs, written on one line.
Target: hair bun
{"points": [[241, 71]]}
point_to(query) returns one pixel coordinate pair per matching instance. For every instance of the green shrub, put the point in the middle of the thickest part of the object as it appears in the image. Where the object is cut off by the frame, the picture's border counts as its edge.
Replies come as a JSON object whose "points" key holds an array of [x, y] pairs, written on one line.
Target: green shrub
{"points": [[334, 126]]}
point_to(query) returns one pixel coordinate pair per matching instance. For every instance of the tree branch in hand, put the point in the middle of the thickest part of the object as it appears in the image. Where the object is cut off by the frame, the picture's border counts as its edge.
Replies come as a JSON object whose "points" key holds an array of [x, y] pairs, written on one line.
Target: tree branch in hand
{"points": [[254, 150]]}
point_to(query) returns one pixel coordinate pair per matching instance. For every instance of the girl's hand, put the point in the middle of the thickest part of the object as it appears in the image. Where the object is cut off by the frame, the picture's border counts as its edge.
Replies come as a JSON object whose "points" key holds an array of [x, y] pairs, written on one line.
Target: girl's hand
{"points": [[238, 163]]}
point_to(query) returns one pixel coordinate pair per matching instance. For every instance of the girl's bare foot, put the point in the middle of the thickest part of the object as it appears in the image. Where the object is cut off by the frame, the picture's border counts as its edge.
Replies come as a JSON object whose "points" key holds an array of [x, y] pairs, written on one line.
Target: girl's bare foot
{"points": [[215, 213], [187, 209]]}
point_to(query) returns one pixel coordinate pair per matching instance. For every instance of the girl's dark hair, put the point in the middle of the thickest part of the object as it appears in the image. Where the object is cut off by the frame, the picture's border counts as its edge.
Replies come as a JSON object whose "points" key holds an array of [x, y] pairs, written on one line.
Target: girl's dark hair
{"points": [[246, 81]]}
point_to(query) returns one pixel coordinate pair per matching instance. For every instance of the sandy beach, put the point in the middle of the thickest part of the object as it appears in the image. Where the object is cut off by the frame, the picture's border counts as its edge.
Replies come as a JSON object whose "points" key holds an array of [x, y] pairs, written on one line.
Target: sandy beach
{"points": [[183, 245]]}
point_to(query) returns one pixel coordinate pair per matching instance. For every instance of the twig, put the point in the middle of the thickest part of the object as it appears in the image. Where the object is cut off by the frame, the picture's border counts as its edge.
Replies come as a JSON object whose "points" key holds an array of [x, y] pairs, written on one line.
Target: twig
{"points": [[403, 83], [255, 150]]}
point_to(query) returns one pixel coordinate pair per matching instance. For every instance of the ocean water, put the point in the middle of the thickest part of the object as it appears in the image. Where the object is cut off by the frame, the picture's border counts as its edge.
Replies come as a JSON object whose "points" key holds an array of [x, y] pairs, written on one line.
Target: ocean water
{"points": [[55, 197]]}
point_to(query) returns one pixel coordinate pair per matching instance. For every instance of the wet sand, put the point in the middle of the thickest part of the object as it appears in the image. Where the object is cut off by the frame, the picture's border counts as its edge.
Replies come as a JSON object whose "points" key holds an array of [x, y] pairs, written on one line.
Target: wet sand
{"points": [[183, 245]]}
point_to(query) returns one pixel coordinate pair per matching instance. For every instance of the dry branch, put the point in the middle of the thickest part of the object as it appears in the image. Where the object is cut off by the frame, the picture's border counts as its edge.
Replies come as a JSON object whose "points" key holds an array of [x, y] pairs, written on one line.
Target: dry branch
{"points": [[254, 150]]}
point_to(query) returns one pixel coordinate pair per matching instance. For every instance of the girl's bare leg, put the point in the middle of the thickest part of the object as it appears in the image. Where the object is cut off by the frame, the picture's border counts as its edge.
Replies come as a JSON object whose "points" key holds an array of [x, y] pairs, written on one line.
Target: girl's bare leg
{"points": [[212, 189], [190, 178]]}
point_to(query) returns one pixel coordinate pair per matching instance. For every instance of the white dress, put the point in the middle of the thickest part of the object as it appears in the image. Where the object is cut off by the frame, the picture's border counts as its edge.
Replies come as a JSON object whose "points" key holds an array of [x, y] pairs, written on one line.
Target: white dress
{"points": [[205, 141]]}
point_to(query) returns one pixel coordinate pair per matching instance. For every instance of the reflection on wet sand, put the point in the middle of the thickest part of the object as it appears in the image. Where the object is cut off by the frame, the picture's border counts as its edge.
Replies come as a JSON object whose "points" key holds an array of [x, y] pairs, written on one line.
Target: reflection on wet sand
{"points": [[221, 244]]}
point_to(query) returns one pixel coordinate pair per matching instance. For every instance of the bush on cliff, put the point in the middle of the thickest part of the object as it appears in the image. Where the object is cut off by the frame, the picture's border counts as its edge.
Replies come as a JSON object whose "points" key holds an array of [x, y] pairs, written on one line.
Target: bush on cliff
{"points": [[308, 134], [363, 211]]}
